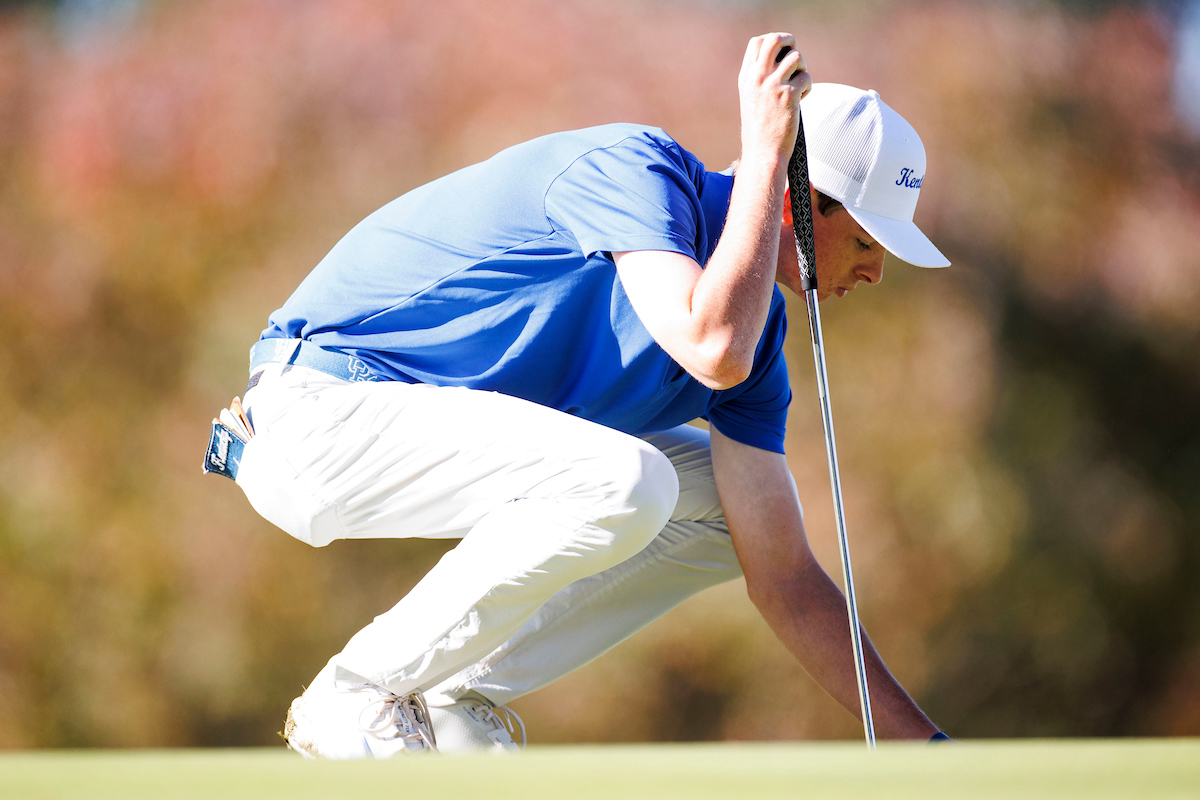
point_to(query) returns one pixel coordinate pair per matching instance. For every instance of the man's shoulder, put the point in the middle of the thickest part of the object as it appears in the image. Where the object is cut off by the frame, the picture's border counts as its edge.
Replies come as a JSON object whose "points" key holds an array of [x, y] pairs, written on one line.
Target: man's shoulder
{"points": [[612, 134], [627, 141]]}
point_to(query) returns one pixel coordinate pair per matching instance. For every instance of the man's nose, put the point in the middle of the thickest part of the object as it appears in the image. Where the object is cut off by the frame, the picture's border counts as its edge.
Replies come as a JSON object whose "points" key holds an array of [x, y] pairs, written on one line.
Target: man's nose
{"points": [[870, 271]]}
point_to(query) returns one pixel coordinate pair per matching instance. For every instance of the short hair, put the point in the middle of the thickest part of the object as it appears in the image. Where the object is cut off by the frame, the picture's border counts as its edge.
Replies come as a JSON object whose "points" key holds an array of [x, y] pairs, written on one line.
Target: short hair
{"points": [[826, 204]]}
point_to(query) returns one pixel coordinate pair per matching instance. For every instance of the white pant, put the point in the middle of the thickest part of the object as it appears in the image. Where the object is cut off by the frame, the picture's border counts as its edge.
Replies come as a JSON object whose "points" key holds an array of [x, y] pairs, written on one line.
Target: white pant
{"points": [[574, 536]]}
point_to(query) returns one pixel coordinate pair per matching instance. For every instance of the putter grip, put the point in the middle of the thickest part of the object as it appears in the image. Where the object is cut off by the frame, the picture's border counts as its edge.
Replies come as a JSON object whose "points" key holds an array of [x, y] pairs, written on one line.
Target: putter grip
{"points": [[802, 214]]}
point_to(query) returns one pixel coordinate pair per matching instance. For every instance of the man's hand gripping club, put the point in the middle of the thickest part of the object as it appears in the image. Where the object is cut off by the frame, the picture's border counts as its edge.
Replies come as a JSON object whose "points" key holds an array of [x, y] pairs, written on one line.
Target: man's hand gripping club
{"points": [[710, 320]]}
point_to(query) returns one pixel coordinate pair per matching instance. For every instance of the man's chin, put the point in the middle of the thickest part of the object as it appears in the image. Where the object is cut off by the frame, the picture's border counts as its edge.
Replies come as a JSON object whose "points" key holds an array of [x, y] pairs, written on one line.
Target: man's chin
{"points": [[794, 284]]}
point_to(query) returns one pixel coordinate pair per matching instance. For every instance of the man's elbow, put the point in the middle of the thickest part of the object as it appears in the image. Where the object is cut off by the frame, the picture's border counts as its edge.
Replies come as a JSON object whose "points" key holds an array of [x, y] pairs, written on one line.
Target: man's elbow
{"points": [[768, 589], [722, 368], [723, 378], [779, 584]]}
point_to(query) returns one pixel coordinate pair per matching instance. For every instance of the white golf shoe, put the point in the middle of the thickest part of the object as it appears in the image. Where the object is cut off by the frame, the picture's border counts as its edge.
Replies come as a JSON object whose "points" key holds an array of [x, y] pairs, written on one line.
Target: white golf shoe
{"points": [[356, 721], [474, 724]]}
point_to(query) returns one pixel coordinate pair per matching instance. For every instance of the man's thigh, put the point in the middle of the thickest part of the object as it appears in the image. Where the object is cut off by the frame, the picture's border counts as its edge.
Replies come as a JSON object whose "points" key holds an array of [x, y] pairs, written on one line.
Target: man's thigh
{"points": [[333, 459], [692, 552]]}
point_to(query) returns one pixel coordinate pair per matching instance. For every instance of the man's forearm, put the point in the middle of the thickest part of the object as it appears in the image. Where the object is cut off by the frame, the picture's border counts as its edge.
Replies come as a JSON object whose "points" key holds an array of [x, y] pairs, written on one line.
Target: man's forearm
{"points": [[797, 599], [715, 329], [734, 294], [735, 289], [710, 319], [809, 617]]}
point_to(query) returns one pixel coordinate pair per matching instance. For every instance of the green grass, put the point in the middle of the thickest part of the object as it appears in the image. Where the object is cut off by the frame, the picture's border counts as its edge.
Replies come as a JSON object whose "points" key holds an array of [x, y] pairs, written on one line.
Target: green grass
{"points": [[1161, 768]]}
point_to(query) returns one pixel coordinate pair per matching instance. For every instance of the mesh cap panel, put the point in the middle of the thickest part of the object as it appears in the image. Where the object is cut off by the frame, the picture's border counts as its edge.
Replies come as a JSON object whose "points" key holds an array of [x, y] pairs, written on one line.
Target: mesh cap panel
{"points": [[861, 152], [842, 133]]}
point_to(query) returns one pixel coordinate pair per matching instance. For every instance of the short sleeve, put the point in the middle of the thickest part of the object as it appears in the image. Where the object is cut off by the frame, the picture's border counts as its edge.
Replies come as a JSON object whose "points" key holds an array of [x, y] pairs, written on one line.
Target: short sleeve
{"points": [[636, 194], [755, 412]]}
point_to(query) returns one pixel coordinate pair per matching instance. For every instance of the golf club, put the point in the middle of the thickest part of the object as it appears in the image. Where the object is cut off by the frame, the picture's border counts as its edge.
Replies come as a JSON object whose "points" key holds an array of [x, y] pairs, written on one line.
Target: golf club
{"points": [[802, 224]]}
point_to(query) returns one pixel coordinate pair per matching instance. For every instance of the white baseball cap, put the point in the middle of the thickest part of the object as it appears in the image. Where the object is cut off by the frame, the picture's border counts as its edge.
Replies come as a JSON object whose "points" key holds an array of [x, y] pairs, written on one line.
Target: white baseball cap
{"points": [[865, 155]]}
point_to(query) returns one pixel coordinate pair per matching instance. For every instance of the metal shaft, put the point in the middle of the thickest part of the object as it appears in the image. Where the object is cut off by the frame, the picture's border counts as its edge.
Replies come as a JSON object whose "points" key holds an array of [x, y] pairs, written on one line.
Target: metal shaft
{"points": [[835, 481], [802, 226]]}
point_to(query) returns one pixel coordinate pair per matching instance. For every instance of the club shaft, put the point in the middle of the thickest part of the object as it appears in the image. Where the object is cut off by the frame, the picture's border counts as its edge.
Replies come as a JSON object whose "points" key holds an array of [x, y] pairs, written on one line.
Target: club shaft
{"points": [[806, 257], [835, 481]]}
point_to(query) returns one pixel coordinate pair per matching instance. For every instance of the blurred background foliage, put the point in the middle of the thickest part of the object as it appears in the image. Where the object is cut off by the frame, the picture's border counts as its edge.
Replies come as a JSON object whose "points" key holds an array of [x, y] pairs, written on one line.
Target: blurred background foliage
{"points": [[1019, 434]]}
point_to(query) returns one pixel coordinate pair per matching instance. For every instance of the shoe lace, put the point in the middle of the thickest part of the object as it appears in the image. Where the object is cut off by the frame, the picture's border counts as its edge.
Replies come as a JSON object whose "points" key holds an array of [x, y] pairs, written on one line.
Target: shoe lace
{"points": [[503, 717], [391, 712]]}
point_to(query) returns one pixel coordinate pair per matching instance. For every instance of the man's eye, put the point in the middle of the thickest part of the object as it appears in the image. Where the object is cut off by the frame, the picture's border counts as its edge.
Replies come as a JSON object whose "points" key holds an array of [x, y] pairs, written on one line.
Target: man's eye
{"points": [[863, 245]]}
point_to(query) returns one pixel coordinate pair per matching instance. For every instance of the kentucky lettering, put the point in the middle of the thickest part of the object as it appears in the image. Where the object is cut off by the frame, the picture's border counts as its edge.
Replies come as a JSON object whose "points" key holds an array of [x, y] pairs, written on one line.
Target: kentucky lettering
{"points": [[909, 180]]}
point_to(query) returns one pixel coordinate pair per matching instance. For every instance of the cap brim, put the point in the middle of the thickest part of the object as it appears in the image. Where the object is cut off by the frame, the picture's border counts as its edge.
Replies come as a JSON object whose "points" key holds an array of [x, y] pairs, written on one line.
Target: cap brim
{"points": [[901, 238]]}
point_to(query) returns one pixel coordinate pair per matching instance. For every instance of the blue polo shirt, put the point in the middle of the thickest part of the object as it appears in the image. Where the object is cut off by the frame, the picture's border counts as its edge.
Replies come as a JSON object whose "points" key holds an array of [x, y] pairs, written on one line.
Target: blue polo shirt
{"points": [[500, 277]]}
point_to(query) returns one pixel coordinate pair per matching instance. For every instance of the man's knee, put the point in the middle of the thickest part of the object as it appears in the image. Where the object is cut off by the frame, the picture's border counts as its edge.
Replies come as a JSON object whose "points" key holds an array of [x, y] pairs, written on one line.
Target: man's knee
{"points": [[641, 501], [657, 489]]}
